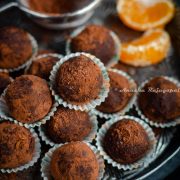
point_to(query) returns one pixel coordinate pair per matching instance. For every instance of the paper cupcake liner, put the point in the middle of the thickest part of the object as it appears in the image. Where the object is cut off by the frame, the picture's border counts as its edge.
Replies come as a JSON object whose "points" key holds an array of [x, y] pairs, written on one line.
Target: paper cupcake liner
{"points": [[116, 39], [34, 53], [93, 103], [140, 163], [130, 103], [45, 172], [89, 138], [5, 114], [55, 55], [175, 122], [37, 153]]}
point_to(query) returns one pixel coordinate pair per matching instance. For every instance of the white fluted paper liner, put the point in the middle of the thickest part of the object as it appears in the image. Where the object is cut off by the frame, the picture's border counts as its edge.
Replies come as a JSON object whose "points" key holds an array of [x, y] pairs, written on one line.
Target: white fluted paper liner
{"points": [[172, 123], [143, 162], [45, 171], [89, 138], [55, 55], [36, 156], [116, 39], [130, 103], [5, 114], [93, 103], [34, 53]]}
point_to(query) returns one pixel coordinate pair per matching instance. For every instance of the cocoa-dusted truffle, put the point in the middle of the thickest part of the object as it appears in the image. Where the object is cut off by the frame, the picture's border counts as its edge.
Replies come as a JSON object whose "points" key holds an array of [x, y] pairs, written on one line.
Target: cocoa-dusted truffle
{"points": [[42, 66], [15, 47], [126, 141], [74, 161], [45, 51], [96, 40], [79, 80], [28, 98], [160, 101], [5, 80], [16, 145], [119, 94], [68, 125]]}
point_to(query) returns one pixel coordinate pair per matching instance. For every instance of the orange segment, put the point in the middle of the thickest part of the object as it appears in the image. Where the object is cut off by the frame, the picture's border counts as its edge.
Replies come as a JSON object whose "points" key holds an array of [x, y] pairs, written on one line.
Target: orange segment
{"points": [[145, 14], [149, 49]]}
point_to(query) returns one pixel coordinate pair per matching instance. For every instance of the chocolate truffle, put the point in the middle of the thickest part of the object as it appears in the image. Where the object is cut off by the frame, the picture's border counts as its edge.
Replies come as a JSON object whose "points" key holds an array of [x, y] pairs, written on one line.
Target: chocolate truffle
{"points": [[126, 141], [28, 98], [68, 125], [157, 102], [118, 96], [45, 51], [5, 80], [42, 67], [74, 161], [15, 47], [16, 145], [79, 80], [96, 40]]}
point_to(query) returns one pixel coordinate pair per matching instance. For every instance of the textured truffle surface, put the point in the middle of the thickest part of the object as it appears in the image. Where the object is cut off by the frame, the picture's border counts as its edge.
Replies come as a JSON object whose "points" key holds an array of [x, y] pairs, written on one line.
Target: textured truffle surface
{"points": [[5, 80], [126, 141], [74, 161], [16, 145], [68, 125], [28, 98], [96, 40], [42, 67], [159, 106], [15, 47], [119, 94], [79, 80]]}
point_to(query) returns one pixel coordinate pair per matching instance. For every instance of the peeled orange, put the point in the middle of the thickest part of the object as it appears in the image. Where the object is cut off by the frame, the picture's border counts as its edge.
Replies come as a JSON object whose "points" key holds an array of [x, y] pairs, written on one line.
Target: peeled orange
{"points": [[145, 14], [149, 49]]}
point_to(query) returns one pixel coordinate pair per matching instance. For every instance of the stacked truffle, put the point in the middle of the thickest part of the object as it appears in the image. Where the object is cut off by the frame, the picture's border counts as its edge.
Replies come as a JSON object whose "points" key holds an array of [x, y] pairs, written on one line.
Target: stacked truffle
{"points": [[56, 92]]}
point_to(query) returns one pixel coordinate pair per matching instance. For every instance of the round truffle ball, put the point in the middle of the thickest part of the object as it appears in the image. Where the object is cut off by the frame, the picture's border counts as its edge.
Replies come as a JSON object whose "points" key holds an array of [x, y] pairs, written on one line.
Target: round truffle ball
{"points": [[74, 161], [28, 98], [96, 40], [5, 80], [126, 141], [160, 101], [68, 125], [15, 47], [42, 67], [16, 145], [119, 94], [79, 80]]}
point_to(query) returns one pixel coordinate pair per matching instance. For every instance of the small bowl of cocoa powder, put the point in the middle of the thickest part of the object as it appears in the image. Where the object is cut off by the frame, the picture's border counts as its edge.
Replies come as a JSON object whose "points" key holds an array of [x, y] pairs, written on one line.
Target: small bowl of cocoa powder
{"points": [[58, 14]]}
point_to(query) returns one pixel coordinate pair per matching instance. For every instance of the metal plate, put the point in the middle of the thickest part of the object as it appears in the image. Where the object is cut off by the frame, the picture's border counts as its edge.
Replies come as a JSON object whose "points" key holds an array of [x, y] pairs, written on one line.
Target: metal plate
{"points": [[168, 145]]}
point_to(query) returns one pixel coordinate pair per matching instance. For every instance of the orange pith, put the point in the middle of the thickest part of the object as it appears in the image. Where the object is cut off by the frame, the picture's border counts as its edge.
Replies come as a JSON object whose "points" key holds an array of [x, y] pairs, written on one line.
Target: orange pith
{"points": [[145, 14], [149, 49]]}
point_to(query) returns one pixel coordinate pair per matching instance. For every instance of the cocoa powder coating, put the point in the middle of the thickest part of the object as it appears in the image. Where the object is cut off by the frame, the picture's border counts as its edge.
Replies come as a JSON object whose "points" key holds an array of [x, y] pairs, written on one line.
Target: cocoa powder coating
{"points": [[28, 98], [5, 80], [15, 47], [68, 125], [74, 161], [118, 97], [96, 40], [159, 106], [42, 67], [16, 145], [79, 80], [126, 141]]}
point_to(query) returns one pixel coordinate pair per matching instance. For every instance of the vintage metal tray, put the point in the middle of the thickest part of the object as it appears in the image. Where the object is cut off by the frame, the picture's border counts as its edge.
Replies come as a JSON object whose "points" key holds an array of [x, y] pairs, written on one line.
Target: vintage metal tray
{"points": [[168, 140]]}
